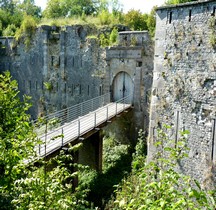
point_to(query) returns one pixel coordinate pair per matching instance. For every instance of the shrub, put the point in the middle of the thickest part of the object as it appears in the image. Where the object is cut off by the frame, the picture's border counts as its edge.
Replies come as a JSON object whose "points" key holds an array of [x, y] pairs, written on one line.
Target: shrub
{"points": [[136, 20], [10, 30], [104, 17], [114, 36], [157, 184], [104, 40], [27, 30]]}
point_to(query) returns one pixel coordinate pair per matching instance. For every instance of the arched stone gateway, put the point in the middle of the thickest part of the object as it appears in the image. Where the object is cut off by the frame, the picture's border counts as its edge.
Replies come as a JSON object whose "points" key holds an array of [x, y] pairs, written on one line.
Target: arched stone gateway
{"points": [[123, 86]]}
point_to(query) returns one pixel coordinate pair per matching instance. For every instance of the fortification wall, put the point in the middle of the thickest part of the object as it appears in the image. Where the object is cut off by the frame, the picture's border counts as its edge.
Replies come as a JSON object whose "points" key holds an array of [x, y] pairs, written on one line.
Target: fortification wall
{"points": [[129, 69], [184, 83], [61, 67]]}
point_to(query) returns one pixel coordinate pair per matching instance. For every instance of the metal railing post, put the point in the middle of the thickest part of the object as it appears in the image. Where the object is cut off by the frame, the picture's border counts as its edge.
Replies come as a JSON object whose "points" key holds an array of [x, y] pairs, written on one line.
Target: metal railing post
{"points": [[78, 127], [92, 104], [116, 108], [81, 109], [62, 138], [107, 113], [45, 139], [95, 120]]}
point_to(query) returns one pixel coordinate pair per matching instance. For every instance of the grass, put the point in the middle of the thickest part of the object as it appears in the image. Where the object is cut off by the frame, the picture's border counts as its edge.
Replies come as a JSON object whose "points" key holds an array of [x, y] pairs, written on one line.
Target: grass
{"points": [[88, 20]]}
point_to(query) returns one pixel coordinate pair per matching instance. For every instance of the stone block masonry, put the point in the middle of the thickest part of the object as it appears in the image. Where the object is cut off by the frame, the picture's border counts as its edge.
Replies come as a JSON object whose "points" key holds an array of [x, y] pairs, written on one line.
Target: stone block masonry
{"points": [[64, 66], [184, 83], [129, 69], [61, 68]]}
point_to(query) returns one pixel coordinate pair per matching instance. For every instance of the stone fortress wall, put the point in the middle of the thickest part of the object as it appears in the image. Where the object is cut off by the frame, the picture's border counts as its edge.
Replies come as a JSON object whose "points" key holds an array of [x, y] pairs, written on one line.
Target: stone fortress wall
{"points": [[70, 64], [131, 60], [75, 68], [65, 66], [184, 83]]}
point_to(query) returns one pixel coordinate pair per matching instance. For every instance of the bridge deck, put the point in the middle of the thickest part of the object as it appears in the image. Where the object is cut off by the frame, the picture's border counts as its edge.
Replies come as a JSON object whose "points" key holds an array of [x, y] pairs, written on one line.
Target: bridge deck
{"points": [[69, 132]]}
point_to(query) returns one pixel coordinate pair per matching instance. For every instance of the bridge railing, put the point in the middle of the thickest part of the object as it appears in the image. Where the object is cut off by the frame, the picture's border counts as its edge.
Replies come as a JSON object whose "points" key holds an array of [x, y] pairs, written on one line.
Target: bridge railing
{"points": [[58, 137], [59, 118]]}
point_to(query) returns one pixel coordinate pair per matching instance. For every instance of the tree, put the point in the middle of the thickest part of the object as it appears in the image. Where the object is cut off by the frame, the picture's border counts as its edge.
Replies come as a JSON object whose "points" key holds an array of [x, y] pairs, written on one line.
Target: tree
{"points": [[13, 12], [136, 20], [28, 7], [17, 138], [54, 9], [151, 21], [51, 188], [78, 7], [68, 8], [26, 30], [8, 5], [23, 185]]}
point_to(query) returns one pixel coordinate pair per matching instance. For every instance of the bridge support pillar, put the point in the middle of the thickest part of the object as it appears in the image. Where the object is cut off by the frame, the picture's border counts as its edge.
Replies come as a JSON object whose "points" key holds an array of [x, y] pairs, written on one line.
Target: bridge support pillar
{"points": [[91, 152]]}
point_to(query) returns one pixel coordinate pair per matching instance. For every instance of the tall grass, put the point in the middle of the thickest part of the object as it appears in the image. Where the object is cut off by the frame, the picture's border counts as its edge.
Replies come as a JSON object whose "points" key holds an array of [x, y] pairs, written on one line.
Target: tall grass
{"points": [[99, 21]]}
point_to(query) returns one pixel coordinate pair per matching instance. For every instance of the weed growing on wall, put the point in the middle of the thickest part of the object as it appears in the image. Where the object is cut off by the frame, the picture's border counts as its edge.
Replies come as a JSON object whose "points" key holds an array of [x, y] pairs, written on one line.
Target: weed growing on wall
{"points": [[212, 39], [114, 36], [26, 30], [48, 86]]}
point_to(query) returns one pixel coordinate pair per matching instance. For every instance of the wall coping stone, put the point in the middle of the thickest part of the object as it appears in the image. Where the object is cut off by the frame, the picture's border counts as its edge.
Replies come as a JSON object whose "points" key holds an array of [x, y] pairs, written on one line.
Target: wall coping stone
{"points": [[174, 6]]}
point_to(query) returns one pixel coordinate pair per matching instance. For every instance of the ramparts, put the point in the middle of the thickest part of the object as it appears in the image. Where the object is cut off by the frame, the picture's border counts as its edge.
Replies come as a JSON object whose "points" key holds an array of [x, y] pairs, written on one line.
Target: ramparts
{"points": [[184, 83]]}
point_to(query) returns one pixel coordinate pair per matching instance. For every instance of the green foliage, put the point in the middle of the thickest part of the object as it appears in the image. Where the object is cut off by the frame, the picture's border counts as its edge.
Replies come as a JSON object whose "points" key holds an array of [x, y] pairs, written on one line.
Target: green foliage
{"points": [[48, 86], [158, 185], [168, 2], [63, 8], [212, 40], [140, 151], [108, 39], [151, 22], [212, 23], [51, 187], [116, 165], [64, 12], [1, 27], [54, 9], [29, 8], [114, 36], [12, 13], [22, 185], [26, 30], [136, 20], [113, 151], [104, 40], [17, 138], [7, 19], [104, 17], [10, 30], [8, 5]]}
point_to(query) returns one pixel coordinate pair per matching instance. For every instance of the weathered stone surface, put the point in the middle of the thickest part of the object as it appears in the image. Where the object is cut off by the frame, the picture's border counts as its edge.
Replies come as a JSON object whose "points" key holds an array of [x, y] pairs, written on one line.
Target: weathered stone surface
{"points": [[63, 67], [72, 64], [134, 57], [184, 81]]}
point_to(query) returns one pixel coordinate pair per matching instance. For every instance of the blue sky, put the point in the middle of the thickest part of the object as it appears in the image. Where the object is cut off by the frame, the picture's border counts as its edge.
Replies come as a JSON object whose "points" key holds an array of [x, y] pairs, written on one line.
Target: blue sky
{"points": [[142, 5]]}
